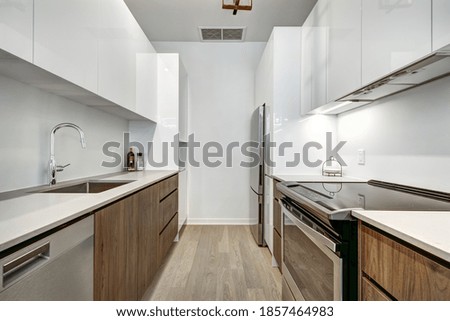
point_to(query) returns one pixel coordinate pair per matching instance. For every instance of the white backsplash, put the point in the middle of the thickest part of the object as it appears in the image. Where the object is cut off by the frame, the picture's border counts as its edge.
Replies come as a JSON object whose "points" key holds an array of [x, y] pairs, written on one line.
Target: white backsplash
{"points": [[406, 137], [27, 116]]}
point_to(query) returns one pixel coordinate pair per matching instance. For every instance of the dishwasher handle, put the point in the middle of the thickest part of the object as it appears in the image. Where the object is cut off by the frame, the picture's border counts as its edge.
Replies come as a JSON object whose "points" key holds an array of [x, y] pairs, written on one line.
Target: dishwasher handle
{"points": [[19, 267]]}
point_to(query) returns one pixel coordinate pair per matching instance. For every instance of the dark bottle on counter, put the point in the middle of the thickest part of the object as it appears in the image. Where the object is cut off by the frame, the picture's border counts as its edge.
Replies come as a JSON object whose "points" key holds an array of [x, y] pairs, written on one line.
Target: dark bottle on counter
{"points": [[131, 161]]}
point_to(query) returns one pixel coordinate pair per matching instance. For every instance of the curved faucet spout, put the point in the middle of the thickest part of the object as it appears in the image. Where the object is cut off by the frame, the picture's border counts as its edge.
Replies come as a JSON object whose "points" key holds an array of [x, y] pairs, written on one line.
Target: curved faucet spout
{"points": [[52, 165]]}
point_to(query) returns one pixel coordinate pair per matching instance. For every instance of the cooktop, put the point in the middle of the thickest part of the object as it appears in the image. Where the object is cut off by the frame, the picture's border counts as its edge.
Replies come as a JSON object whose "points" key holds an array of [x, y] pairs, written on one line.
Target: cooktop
{"points": [[373, 195]]}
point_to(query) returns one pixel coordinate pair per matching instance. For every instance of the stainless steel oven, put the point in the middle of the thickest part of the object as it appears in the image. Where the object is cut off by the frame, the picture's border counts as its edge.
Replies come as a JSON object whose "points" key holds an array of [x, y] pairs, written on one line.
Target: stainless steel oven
{"points": [[312, 262], [320, 236]]}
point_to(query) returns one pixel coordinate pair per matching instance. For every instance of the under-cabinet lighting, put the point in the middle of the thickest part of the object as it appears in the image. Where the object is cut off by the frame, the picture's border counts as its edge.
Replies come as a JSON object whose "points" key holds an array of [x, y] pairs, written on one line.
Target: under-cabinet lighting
{"points": [[338, 106], [331, 107]]}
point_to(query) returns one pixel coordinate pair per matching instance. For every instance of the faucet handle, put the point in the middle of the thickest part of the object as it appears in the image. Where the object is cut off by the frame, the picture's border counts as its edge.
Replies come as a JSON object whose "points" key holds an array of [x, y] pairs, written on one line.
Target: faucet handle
{"points": [[60, 168]]}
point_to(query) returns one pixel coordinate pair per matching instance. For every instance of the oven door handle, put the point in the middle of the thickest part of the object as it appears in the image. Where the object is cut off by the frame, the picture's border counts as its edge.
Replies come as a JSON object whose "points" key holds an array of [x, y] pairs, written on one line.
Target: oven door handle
{"points": [[329, 243]]}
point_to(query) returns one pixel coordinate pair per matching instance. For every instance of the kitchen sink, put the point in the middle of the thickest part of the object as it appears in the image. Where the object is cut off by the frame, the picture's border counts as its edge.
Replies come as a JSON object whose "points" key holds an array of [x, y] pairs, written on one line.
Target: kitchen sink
{"points": [[85, 187]]}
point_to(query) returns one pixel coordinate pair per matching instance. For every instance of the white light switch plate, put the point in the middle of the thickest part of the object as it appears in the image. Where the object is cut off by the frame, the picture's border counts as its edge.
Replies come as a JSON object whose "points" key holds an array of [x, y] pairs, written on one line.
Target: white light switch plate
{"points": [[361, 157]]}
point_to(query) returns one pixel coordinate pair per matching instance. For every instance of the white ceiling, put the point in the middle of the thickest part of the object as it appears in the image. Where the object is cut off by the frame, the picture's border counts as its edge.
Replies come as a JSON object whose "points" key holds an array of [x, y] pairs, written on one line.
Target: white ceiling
{"points": [[178, 20]]}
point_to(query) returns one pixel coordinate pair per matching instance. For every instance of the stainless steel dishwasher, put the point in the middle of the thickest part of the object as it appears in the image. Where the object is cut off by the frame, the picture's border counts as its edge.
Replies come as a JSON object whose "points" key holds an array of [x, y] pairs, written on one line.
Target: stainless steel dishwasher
{"points": [[57, 265]]}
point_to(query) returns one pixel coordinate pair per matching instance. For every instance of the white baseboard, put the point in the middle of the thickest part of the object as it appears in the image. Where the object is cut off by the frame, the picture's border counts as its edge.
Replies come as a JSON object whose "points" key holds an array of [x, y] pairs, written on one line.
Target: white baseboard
{"points": [[219, 221]]}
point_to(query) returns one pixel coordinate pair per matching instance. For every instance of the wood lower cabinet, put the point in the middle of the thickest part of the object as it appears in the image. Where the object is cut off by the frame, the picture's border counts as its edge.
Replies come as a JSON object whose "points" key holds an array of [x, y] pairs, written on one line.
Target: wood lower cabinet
{"points": [[129, 244], [371, 292], [168, 216], [286, 294], [166, 238], [168, 208], [116, 251], [398, 270], [277, 222], [148, 237], [167, 186], [277, 247]]}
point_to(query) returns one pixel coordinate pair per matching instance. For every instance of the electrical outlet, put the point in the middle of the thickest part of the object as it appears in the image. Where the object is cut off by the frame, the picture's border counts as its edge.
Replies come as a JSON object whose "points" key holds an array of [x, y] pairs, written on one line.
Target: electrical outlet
{"points": [[361, 201], [361, 157]]}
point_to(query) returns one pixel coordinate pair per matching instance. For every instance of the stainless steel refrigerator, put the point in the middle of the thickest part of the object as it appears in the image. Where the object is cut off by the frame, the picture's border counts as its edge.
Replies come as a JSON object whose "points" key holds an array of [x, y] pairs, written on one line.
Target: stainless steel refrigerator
{"points": [[257, 176]]}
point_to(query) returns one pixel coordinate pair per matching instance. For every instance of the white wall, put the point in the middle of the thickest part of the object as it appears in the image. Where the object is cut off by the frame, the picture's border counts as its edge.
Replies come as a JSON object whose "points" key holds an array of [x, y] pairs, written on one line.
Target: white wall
{"points": [[221, 101], [27, 116], [406, 137]]}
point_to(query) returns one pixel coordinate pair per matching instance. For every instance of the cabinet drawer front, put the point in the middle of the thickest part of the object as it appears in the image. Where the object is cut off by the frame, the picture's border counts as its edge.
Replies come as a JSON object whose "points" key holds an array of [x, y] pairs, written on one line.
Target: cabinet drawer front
{"points": [[168, 207], [167, 186], [401, 271], [277, 216], [166, 238], [286, 294], [276, 193], [277, 247], [370, 292]]}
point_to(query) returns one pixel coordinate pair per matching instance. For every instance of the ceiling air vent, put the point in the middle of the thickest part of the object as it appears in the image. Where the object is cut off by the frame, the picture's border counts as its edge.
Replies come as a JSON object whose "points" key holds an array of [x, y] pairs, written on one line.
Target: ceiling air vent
{"points": [[222, 33]]}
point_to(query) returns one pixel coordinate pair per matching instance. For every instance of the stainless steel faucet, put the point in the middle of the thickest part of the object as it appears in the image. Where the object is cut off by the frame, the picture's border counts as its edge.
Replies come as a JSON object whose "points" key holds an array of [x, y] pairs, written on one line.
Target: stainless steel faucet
{"points": [[53, 168]]}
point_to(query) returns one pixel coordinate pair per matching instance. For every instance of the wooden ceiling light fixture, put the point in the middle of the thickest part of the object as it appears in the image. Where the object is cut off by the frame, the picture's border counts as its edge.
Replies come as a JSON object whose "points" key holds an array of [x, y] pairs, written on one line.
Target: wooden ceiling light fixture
{"points": [[236, 5]]}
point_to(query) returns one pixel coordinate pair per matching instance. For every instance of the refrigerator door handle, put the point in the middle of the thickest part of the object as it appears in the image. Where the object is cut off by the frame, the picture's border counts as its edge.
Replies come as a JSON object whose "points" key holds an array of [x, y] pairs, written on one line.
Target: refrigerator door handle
{"points": [[260, 196]]}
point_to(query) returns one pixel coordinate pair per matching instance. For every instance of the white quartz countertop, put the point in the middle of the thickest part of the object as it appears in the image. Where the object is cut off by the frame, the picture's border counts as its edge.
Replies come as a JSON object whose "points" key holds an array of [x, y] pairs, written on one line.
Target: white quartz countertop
{"points": [[315, 178], [429, 231], [27, 216]]}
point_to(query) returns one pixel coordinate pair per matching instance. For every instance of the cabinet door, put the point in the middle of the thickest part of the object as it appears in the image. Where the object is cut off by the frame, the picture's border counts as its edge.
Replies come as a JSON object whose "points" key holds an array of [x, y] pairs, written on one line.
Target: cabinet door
{"points": [[146, 85], [115, 251], [400, 270], [183, 198], [394, 33], [307, 57], [65, 39], [319, 53], [16, 28], [344, 48], [183, 104], [441, 23], [166, 239], [148, 210], [369, 292], [120, 40], [277, 245], [314, 88]]}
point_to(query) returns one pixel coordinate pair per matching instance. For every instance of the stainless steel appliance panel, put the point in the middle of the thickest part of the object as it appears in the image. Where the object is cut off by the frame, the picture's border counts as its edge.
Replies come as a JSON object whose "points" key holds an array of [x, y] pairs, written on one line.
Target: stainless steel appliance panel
{"points": [[257, 210], [257, 135], [257, 176], [310, 261], [57, 267]]}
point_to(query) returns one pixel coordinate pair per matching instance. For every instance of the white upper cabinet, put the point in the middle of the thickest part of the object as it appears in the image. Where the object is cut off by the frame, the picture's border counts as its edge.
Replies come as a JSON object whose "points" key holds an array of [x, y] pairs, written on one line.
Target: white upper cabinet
{"points": [[394, 33], [306, 74], [16, 28], [441, 23], [183, 103], [314, 58], [146, 85], [65, 39], [278, 85], [120, 41], [344, 48], [331, 52]]}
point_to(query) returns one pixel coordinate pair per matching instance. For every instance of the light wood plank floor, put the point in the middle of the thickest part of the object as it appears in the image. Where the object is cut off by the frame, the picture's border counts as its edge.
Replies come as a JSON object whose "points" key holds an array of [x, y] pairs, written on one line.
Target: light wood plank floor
{"points": [[216, 263]]}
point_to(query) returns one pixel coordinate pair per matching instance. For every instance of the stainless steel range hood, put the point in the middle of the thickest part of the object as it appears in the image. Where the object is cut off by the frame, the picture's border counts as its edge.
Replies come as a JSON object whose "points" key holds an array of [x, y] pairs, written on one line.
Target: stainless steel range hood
{"points": [[431, 67]]}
